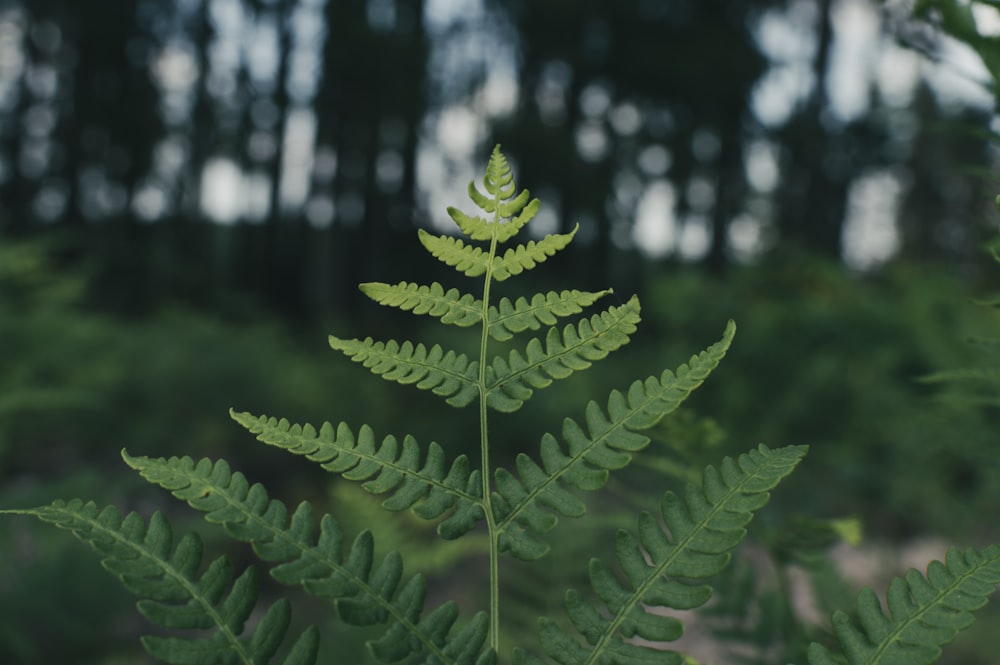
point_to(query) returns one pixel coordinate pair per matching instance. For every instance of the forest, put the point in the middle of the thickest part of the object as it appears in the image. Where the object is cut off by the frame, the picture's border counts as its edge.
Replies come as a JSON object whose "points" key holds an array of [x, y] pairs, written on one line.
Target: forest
{"points": [[191, 192]]}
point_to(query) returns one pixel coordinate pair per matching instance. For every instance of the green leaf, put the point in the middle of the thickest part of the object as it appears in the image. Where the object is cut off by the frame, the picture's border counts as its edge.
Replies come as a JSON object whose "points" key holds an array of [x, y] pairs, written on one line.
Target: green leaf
{"points": [[924, 612], [449, 375], [430, 488], [604, 442], [466, 259], [364, 591], [164, 574], [524, 257], [450, 306], [511, 381], [665, 569], [507, 318]]}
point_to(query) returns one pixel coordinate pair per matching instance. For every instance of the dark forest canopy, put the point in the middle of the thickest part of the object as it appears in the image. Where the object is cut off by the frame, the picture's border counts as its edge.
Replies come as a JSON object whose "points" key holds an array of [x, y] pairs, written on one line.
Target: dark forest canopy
{"points": [[286, 146]]}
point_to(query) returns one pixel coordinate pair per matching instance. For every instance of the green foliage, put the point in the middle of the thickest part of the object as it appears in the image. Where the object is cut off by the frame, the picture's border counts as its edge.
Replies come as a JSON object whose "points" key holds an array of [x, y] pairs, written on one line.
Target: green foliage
{"points": [[978, 384], [165, 574], [703, 527], [363, 593], [668, 562], [836, 358], [925, 612]]}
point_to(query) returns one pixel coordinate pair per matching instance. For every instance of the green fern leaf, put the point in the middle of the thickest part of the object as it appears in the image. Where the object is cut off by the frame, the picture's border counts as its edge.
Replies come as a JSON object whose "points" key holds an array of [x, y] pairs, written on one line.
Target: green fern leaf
{"points": [[512, 381], [663, 569], [473, 261], [449, 375], [450, 306], [925, 612], [507, 318], [431, 489], [525, 257], [363, 593], [469, 260], [164, 574], [605, 443], [510, 210]]}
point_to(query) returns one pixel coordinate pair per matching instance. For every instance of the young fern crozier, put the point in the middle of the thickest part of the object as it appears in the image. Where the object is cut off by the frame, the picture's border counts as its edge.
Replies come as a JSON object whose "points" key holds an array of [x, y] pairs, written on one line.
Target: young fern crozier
{"points": [[663, 562]]}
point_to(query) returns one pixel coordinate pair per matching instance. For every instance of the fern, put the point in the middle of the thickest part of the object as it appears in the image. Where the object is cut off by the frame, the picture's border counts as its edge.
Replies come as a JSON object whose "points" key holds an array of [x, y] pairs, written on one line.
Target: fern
{"points": [[704, 527], [925, 612], [430, 487], [363, 593], [605, 445], [449, 306], [665, 563], [164, 574]]}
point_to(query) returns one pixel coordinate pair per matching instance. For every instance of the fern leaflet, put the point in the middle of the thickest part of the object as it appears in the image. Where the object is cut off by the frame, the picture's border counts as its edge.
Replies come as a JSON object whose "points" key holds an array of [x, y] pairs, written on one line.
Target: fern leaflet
{"points": [[925, 612], [469, 260], [363, 593], [447, 374], [606, 443], [472, 261], [661, 568], [430, 490], [507, 319], [524, 257], [450, 306], [164, 574], [512, 381]]}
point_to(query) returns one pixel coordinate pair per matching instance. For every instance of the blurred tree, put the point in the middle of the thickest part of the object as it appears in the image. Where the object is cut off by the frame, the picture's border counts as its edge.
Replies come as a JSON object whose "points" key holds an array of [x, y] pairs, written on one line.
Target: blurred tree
{"points": [[615, 96], [86, 114], [273, 146], [369, 111]]}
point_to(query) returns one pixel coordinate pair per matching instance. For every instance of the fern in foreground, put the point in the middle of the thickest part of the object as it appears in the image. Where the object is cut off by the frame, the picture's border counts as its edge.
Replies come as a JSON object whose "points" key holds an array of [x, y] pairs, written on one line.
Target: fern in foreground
{"points": [[925, 612], [165, 574], [665, 562]]}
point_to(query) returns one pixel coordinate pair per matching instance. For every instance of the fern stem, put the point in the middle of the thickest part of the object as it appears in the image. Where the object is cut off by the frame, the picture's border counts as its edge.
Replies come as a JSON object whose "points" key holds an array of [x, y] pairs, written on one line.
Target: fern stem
{"points": [[484, 444]]}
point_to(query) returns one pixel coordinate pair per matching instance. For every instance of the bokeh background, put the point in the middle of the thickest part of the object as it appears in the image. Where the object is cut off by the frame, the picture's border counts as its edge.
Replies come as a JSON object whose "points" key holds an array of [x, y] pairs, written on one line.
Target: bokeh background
{"points": [[190, 192]]}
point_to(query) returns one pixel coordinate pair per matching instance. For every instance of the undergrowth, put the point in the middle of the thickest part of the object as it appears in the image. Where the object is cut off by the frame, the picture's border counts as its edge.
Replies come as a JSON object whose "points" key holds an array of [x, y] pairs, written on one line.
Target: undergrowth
{"points": [[635, 604]]}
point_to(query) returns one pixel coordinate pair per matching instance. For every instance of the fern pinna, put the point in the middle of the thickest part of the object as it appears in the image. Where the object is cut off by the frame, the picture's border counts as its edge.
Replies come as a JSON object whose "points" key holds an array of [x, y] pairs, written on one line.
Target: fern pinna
{"points": [[664, 563]]}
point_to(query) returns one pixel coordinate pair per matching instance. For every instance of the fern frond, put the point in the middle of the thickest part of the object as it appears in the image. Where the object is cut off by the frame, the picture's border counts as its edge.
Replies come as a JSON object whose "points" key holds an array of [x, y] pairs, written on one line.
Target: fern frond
{"points": [[452, 307], [606, 443], [469, 260], [473, 261], [525, 257], [431, 489], [511, 211], [925, 612], [364, 593], [507, 319], [662, 569], [512, 381], [164, 574], [447, 374]]}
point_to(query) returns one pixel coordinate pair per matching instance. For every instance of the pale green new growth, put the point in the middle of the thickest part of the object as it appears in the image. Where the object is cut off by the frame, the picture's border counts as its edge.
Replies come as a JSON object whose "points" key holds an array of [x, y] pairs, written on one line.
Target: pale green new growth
{"points": [[664, 563]]}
